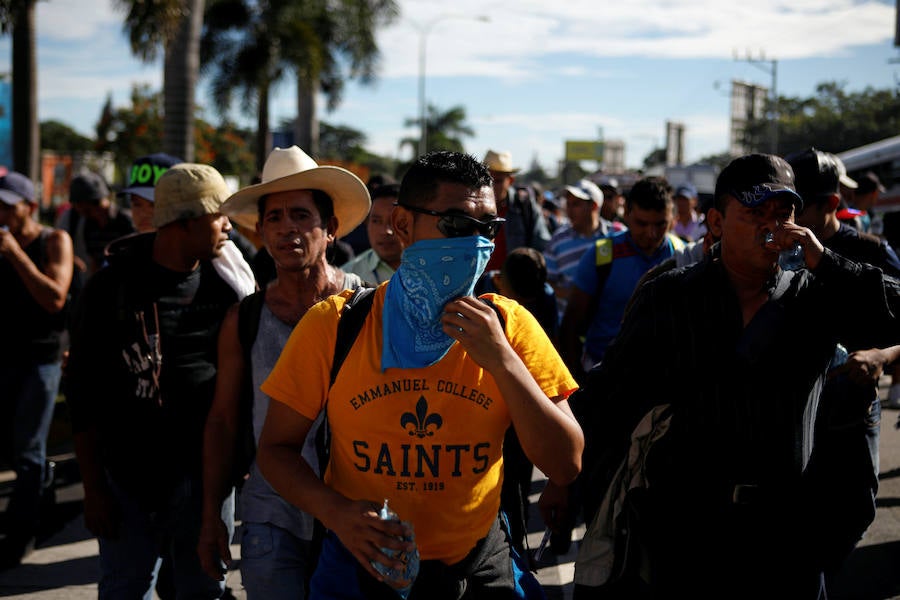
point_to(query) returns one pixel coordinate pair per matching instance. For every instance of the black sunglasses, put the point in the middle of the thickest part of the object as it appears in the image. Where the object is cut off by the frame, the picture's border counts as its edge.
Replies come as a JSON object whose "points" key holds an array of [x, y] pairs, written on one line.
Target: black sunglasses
{"points": [[459, 225]]}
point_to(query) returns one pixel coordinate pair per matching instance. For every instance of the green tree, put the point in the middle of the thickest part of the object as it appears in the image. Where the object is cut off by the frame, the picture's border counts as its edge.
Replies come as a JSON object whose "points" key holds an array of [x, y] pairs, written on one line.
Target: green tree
{"points": [[248, 46], [535, 173], [17, 17], [173, 26], [59, 137], [341, 142], [720, 161], [137, 130], [444, 130], [244, 49], [831, 120], [657, 156], [336, 41], [132, 131]]}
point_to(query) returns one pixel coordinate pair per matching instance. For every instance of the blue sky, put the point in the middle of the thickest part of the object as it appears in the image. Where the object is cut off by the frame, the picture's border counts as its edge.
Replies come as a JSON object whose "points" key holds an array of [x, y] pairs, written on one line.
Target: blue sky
{"points": [[535, 74]]}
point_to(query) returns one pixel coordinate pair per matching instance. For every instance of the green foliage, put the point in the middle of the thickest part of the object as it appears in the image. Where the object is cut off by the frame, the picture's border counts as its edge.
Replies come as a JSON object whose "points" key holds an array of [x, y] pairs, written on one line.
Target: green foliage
{"points": [[444, 130], [9, 10], [657, 156], [225, 147], [61, 138], [534, 173], [150, 24], [133, 131], [832, 120], [136, 130], [720, 161], [341, 142]]}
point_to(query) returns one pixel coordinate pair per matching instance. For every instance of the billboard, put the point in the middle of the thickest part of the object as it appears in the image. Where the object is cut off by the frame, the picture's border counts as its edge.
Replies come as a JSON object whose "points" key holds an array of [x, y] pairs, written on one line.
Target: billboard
{"points": [[6, 123], [584, 150]]}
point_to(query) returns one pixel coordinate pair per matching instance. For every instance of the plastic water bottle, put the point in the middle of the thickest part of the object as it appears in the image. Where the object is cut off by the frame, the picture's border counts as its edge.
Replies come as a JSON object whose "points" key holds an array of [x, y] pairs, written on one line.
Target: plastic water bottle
{"points": [[792, 259], [399, 579]]}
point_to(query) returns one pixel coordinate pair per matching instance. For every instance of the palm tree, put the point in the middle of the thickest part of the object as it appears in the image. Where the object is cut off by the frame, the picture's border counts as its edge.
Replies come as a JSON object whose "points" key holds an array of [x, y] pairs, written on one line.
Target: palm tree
{"points": [[174, 26], [443, 131], [247, 46], [17, 17], [242, 50], [334, 34]]}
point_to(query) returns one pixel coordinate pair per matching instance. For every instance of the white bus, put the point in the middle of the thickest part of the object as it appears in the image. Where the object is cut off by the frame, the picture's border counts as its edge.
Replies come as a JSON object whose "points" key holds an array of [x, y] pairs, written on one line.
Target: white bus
{"points": [[883, 158]]}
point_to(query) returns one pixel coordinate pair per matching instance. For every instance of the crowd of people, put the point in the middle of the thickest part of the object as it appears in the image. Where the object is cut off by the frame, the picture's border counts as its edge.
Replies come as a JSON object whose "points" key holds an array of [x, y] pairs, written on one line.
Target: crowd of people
{"points": [[692, 396]]}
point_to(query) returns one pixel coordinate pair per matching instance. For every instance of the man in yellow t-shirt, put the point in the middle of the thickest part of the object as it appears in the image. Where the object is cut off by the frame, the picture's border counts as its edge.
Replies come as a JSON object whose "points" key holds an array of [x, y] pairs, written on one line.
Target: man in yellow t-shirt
{"points": [[420, 408]]}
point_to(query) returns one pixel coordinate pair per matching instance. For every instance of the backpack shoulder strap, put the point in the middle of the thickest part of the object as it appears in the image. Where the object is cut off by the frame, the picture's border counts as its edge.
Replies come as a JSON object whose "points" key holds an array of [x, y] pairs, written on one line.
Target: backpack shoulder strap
{"points": [[353, 315], [249, 312], [496, 310], [603, 251]]}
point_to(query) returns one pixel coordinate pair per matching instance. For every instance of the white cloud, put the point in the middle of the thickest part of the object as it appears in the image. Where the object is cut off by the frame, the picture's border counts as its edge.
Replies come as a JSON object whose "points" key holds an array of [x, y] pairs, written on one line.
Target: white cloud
{"points": [[82, 20]]}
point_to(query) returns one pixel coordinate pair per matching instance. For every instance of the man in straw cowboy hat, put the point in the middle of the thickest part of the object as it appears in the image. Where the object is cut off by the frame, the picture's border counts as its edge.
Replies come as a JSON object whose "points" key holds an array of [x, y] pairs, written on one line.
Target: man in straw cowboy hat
{"points": [[419, 418], [301, 209], [142, 371], [525, 225]]}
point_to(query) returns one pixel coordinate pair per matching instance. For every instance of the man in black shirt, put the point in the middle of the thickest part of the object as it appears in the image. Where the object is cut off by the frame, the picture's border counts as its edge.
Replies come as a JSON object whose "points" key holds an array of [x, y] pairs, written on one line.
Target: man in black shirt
{"points": [[736, 495], [142, 372], [35, 273]]}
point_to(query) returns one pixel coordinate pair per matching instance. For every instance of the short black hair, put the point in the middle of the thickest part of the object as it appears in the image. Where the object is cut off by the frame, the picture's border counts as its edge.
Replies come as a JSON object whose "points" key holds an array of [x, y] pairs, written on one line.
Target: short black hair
{"points": [[650, 193], [421, 181], [387, 190], [525, 270], [322, 201]]}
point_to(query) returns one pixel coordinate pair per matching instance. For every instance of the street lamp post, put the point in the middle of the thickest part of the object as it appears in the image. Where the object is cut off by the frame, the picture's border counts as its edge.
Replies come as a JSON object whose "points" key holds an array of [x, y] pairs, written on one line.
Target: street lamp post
{"points": [[424, 30]]}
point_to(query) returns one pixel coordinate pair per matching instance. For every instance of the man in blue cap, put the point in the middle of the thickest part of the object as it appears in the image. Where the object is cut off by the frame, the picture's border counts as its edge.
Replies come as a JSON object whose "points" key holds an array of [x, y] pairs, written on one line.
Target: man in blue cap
{"points": [[739, 493], [35, 273], [688, 222], [142, 178]]}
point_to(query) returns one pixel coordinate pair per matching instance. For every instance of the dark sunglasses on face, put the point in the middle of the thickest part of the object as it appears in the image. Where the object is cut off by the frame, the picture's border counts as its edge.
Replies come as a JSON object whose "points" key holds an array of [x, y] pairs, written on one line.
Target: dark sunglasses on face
{"points": [[459, 225]]}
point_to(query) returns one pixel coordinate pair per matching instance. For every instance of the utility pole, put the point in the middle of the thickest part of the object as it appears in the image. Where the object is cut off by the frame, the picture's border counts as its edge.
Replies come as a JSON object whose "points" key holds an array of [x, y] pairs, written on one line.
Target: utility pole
{"points": [[423, 30], [770, 66]]}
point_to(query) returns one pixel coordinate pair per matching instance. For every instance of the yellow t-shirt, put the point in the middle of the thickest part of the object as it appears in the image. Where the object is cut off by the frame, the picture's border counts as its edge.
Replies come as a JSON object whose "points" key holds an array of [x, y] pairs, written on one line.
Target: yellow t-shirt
{"points": [[430, 439]]}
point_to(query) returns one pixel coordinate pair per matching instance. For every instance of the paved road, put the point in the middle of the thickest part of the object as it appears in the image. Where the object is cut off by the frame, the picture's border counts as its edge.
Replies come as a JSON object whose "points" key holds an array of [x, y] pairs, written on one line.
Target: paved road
{"points": [[64, 566]]}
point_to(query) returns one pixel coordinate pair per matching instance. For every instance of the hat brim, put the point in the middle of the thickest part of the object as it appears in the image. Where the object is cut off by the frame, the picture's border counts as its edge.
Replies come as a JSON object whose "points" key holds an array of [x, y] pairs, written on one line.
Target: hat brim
{"points": [[761, 193], [10, 198], [142, 191], [347, 191], [848, 182]]}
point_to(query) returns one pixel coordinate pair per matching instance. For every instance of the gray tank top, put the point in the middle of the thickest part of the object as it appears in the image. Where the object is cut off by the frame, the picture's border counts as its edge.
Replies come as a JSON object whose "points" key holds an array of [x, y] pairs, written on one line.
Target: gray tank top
{"points": [[259, 502]]}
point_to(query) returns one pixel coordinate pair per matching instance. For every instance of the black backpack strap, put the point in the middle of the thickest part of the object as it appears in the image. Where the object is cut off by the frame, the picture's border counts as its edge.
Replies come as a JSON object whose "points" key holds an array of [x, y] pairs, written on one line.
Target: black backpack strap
{"points": [[496, 310], [353, 315], [249, 311], [249, 314]]}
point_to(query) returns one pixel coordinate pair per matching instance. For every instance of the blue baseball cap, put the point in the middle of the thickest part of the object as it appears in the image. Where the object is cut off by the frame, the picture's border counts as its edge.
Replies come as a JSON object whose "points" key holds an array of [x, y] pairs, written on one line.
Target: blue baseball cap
{"points": [[686, 190], [754, 178], [146, 171], [15, 187]]}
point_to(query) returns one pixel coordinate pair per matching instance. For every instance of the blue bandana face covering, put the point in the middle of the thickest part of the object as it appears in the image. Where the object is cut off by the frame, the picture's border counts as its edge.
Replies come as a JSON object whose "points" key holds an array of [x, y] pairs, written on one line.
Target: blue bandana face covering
{"points": [[431, 273]]}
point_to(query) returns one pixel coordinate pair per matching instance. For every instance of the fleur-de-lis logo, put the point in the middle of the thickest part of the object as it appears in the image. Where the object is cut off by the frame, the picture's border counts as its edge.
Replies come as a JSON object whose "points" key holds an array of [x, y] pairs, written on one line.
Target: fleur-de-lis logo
{"points": [[419, 424]]}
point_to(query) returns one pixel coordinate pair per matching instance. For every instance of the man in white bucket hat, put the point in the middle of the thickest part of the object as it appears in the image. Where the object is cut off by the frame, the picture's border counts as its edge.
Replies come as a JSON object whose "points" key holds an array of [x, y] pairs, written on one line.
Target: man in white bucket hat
{"points": [[300, 208]]}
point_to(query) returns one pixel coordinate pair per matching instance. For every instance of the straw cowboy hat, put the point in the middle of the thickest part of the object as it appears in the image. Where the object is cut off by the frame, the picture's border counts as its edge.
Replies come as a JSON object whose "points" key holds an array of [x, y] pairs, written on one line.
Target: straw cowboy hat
{"points": [[500, 162], [292, 169]]}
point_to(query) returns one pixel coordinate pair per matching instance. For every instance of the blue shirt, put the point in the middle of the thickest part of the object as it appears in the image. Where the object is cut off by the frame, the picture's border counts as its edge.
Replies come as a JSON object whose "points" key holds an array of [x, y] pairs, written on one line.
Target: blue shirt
{"points": [[611, 296]]}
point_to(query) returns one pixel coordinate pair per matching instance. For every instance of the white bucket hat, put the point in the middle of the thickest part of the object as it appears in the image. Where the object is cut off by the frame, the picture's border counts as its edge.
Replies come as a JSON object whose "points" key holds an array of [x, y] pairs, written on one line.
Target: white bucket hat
{"points": [[292, 169]]}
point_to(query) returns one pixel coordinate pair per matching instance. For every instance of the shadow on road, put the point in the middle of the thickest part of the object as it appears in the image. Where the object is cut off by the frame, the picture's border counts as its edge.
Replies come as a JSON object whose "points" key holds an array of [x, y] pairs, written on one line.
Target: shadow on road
{"points": [[870, 573]]}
